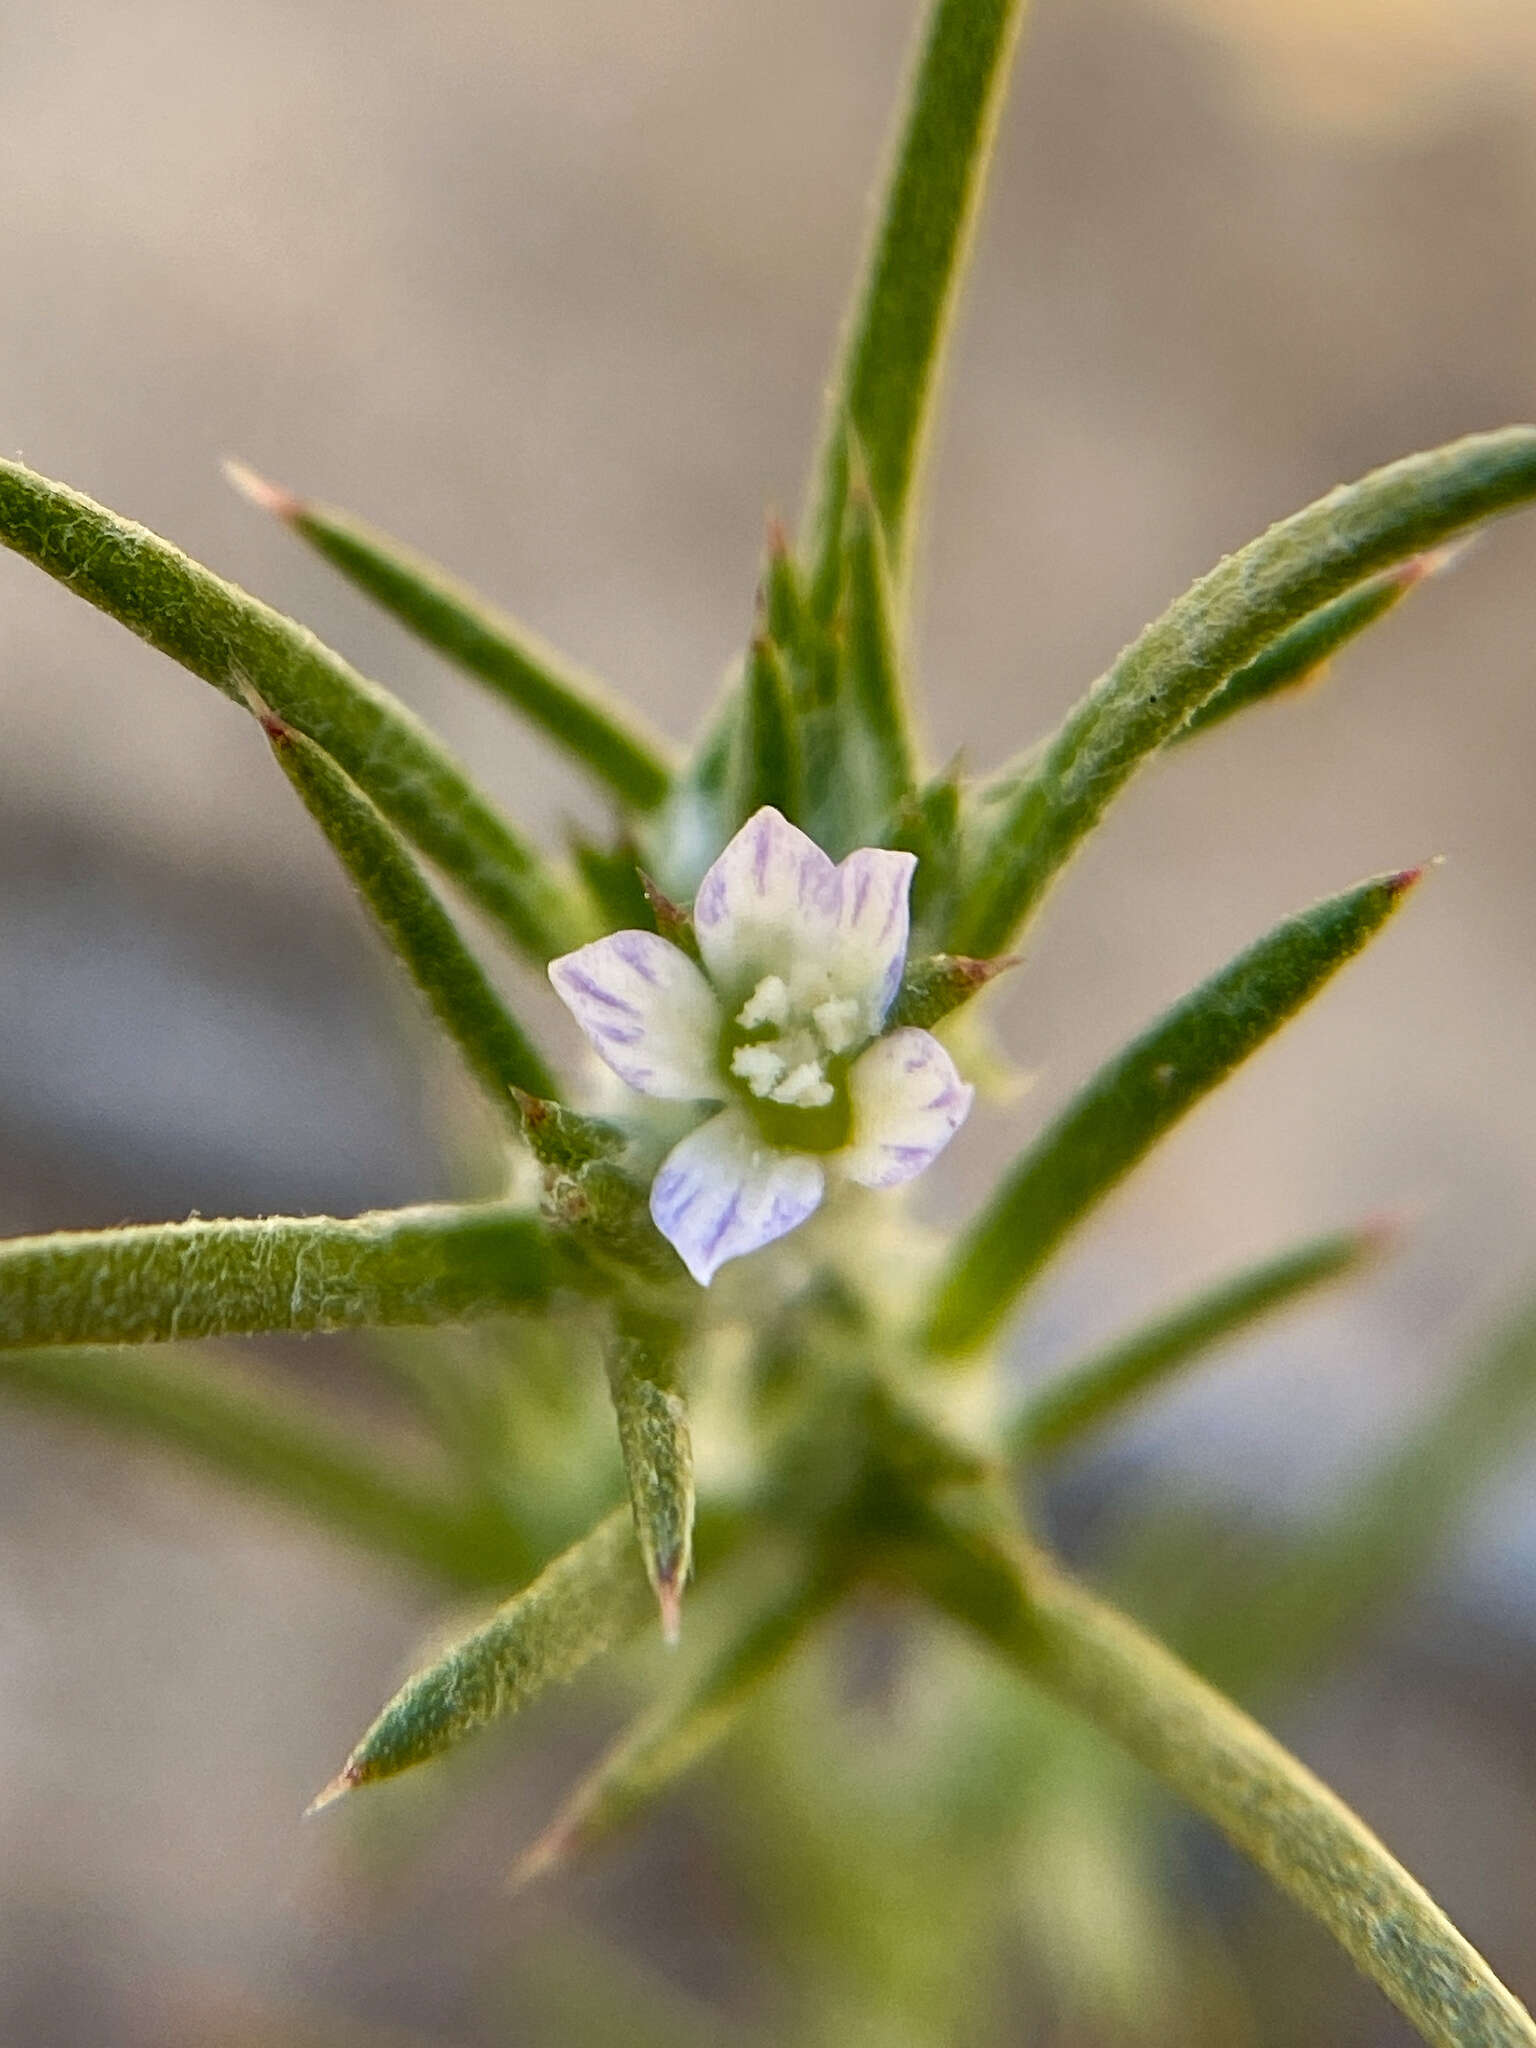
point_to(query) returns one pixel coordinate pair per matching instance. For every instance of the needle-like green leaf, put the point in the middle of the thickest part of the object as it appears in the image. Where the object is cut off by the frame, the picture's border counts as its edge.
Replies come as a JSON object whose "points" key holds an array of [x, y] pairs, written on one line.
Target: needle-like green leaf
{"points": [[496, 1049], [658, 1454], [671, 1738], [279, 1447], [1100, 1387], [153, 1283], [1299, 656], [1269, 1805], [768, 767], [236, 643], [573, 708], [588, 1599], [1129, 1104], [893, 347], [1035, 816], [876, 745]]}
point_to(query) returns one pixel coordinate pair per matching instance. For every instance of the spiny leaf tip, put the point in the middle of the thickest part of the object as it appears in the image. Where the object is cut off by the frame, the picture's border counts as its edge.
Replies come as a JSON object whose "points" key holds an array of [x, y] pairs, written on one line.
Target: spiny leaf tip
{"points": [[265, 496], [328, 1795]]}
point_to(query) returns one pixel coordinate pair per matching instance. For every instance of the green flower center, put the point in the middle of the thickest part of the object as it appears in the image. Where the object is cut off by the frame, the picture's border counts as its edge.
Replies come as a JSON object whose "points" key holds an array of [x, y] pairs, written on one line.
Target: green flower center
{"points": [[789, 1065]]}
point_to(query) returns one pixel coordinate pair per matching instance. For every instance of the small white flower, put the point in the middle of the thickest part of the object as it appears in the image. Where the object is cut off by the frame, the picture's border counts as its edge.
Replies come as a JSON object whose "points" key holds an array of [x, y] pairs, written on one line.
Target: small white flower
{"points": [[802, 961]]}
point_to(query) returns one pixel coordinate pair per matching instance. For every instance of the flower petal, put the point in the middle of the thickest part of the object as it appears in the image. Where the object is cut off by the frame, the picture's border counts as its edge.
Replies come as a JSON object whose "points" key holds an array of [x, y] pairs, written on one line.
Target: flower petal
{"points": [[647, 1012], [722, 1192], [872, 929], [908, 1102], [770, 898]]}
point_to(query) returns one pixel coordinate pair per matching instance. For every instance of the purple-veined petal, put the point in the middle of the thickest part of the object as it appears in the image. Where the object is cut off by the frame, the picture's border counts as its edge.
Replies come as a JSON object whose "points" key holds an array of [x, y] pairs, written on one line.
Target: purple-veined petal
{"points": [[769, 900], [908, 1102], [647, 1012], [722, 1192], [872, 929]]}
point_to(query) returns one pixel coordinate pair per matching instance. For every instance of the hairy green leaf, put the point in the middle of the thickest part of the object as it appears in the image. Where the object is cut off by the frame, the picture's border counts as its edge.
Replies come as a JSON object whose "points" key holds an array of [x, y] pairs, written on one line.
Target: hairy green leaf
{"points": [[237, 643], [892, 350], [1040, 812], [496, 1049], [276, 1446], [1099, 1388], [588, 1599], [153, 1283], [1299, 656], [572, 708], [658, 1454], [1129, 1104], [1212, 1755]]}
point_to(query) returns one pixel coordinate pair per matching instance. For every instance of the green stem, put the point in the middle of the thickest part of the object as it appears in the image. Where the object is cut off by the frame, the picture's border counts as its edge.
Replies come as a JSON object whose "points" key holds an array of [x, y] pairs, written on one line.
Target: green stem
{"points": [[895, 340], [1268, 1804]]}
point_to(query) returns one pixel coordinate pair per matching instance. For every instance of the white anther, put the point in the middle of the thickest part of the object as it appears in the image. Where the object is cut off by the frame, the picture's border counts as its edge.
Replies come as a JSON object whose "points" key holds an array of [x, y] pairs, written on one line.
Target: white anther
{"points": [[837, 1020], [767, 1004], [759, 1066], [805, 1087]]}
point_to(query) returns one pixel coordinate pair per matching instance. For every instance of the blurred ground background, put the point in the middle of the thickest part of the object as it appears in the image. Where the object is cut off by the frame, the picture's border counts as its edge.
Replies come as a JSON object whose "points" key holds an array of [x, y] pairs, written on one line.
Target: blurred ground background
{"points": [[550, 292]]}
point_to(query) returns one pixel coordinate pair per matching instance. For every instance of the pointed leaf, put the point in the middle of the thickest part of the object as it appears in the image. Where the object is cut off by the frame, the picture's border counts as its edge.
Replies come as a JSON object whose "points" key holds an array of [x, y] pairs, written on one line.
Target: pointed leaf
{"points": [[658, 1455], [1299, 656], [1140, 1094], [588, 1599], [893, 348], [280, 1448], [1100, 1387], [1040, 812], [784, 605], [679, 1730], [572, 708], [1101, 1665], [768, 767], [932, 989], [152, 1283], [237, 643], [876, 743], [496, 1049]]}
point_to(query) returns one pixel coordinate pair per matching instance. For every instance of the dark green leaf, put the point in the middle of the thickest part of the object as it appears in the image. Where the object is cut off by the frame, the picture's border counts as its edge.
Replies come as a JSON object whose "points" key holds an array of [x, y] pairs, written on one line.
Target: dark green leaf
{"points": [[888, 375], [496, 1049], [875, 744], [658, 1454], [1300, 655], [1038, 813], [238, 644], [572, 708], [1132, 1101], [934, 987], [1099, 1388], [592, 1596], [769, 768]]}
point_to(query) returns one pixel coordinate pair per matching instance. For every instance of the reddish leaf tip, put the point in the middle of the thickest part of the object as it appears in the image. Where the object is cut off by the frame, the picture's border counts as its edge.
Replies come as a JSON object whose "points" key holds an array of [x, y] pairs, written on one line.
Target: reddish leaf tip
{"points": [[1407, 878], [544, 1854], [1433, 561], [267, 497], [669, 1598], [341, 1784]]}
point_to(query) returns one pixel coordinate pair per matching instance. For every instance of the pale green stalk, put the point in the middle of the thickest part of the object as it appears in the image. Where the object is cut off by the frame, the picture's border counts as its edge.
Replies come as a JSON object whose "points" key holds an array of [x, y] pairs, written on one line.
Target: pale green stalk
{"points": [[1096, 1661]]}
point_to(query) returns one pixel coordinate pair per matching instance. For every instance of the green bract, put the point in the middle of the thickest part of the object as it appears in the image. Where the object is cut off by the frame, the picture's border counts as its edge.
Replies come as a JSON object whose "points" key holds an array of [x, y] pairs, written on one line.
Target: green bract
{"points": [[807, 1427]]}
